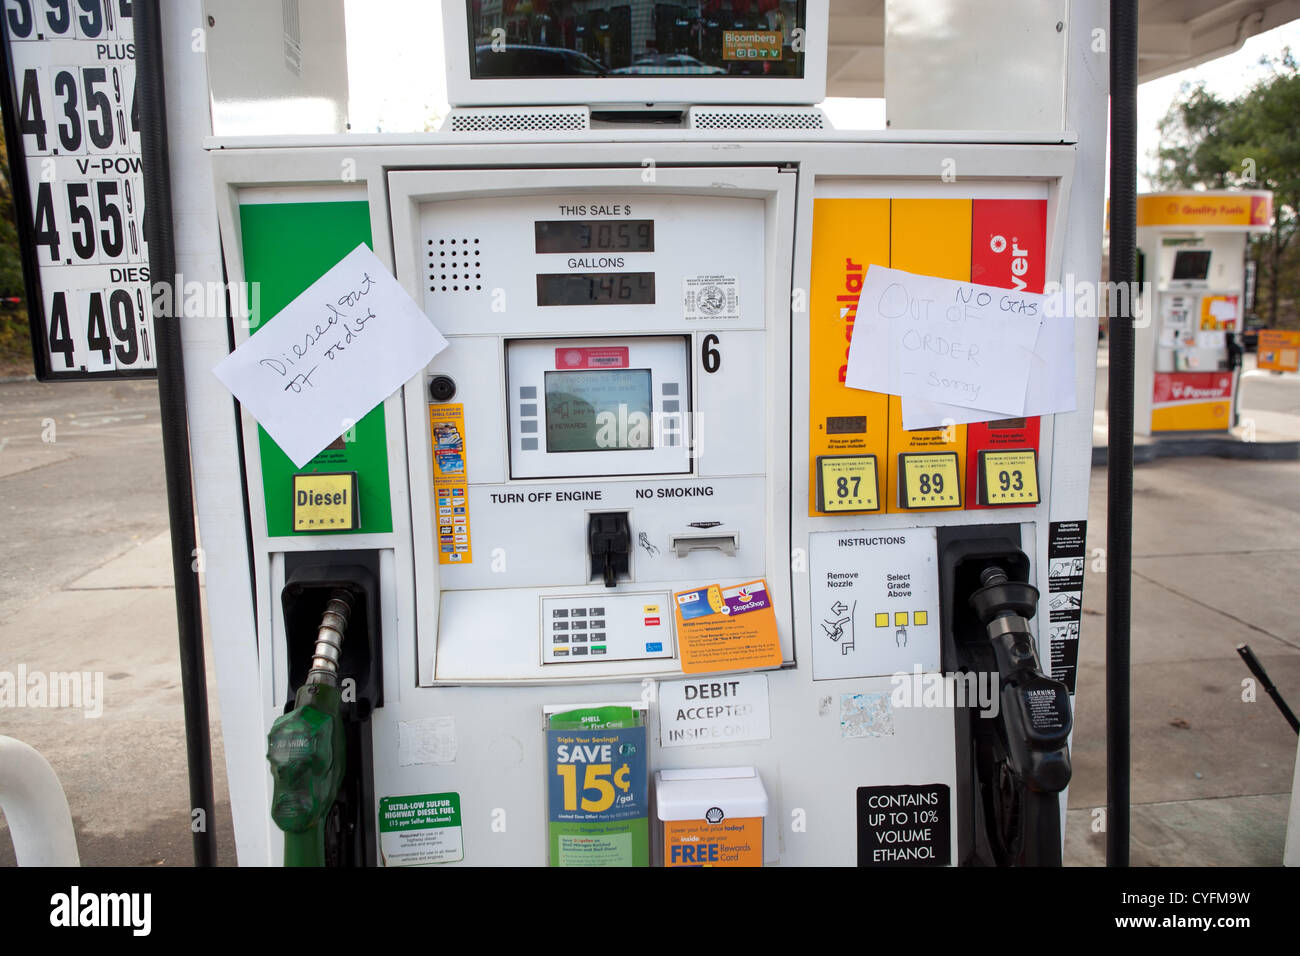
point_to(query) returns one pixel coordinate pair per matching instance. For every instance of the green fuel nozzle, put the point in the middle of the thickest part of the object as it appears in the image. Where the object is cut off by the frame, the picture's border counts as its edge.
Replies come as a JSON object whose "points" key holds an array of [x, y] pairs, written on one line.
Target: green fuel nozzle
{"points": [[306, 747]]}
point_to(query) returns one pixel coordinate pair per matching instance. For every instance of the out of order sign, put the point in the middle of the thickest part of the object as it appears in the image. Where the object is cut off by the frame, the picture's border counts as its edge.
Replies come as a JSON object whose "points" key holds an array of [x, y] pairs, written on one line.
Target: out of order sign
{"points": [[929, 480], [847, 483], [70, 100], [1009, 477]]}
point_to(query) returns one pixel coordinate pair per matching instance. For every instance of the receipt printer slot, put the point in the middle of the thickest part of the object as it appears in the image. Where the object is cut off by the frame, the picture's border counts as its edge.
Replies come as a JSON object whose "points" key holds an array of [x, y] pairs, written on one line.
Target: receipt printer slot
{"points": [[684, 544]]}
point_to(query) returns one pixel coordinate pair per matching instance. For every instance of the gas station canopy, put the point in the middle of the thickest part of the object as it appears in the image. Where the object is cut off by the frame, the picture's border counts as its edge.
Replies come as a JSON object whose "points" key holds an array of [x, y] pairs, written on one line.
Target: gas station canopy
{"points": [[1173, 35]]}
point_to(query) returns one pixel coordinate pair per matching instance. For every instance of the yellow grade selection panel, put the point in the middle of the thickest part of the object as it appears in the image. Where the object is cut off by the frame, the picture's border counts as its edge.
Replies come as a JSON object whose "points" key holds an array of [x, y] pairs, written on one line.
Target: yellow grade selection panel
{"points": [[847, 483], [325, 502], [1008, 477]]}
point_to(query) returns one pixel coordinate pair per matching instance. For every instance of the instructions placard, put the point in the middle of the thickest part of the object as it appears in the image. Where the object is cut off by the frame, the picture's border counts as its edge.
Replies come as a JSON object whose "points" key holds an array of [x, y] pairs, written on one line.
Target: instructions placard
{"points": [[904, 826], [421, 829], [875, 602], [1065, 567], [720, 711]]}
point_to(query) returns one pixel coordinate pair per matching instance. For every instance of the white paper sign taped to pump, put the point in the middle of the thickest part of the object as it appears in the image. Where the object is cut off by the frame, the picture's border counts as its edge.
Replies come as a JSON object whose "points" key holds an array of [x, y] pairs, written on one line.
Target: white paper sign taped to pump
{"points": [[331, 355], [945, 341]]}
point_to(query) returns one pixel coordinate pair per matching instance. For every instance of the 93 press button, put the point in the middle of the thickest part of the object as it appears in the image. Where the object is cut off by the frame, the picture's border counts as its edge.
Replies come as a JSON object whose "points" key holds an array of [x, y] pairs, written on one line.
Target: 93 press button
{"points": [[1009, 477], [929, 480], [847, 483], [325, 502]]}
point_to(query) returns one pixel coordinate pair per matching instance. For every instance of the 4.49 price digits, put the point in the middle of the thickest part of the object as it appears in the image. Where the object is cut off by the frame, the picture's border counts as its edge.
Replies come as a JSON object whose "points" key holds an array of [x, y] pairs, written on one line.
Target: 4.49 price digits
{"points": [[598, 777], [116, 331]]}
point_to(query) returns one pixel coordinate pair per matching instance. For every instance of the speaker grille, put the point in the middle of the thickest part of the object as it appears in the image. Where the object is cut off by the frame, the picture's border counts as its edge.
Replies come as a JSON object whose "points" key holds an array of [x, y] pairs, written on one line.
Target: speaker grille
{"points": [[762, 117], [520, 120], [455, 264]]}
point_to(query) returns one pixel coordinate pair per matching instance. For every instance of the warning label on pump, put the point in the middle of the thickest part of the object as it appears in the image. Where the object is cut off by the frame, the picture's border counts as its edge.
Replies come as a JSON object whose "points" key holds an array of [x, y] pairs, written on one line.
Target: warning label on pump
{"points": [[711, 297], [420, 829], [1064, 601], [904, 826]]}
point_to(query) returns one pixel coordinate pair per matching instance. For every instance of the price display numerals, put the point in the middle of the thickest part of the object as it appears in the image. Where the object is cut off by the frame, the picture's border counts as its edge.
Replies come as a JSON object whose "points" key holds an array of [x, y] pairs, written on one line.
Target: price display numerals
{"points": [[69, 19], [80, 222], [1009, 477], [99, 329], [78, 110], [601, 778], [930, 480], [847, 483]]}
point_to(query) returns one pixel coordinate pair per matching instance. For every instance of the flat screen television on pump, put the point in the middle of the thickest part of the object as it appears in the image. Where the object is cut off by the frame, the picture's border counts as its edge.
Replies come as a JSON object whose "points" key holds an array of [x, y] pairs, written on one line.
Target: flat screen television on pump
{"points": [[634, 52]]}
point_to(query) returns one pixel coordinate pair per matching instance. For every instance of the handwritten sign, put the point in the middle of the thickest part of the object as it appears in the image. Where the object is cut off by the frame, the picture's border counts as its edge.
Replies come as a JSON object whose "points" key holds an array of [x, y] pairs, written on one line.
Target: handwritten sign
{"points": [[953, 342], [331, 355], [1051, 376]]}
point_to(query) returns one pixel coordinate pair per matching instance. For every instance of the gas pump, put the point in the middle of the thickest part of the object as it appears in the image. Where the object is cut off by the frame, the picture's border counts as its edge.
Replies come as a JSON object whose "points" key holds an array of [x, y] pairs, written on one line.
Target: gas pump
{"points": [[631, 528], [1193, 250]]}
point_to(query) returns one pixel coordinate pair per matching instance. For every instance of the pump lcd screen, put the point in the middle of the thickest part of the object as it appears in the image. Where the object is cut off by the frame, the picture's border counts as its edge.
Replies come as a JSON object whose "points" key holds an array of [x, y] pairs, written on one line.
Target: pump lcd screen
{"points": [[1192, 264], [604, 410], [616, 39], [596, 235], [596, 288]]}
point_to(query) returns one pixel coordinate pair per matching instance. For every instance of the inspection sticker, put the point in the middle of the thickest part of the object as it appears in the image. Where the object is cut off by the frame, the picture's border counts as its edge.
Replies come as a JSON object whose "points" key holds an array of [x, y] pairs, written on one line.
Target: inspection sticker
{"points": [[711, 297], [421, 829]]}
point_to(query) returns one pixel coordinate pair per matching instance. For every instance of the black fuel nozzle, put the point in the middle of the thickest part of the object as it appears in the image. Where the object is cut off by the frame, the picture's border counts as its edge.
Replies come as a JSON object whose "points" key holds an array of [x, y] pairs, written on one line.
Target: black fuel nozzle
{"points": [[1035, 708]]}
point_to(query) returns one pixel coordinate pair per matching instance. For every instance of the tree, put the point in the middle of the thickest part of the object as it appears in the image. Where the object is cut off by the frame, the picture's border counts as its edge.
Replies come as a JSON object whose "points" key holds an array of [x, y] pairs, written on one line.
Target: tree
{"points": [[1249, 142], [15, 339]]}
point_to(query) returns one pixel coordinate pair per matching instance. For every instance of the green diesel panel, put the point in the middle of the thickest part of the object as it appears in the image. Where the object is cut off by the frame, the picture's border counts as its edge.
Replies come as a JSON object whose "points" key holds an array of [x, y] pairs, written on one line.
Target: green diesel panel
{"points": [[287, 247]]}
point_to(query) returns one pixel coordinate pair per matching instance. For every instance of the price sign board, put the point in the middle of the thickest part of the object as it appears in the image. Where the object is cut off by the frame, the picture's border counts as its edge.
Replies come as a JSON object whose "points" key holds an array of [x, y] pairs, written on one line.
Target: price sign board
{"points": [[929, 480], [72, 125], [1009, 477]]}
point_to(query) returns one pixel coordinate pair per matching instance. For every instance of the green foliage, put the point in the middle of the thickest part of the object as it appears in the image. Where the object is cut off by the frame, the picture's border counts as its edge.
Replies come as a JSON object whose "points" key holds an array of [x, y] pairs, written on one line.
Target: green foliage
{"points": [[1249, 142], [15, 339]]}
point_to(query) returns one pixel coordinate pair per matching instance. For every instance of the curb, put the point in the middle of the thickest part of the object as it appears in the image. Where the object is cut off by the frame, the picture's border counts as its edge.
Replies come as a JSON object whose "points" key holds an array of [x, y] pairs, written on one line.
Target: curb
{"points": [[1211, 447]]}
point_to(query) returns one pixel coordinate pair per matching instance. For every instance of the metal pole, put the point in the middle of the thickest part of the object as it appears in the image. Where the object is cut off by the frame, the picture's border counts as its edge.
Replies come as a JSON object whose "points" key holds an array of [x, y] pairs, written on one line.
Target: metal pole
{"points": [[150, 82], [1119, 455]]}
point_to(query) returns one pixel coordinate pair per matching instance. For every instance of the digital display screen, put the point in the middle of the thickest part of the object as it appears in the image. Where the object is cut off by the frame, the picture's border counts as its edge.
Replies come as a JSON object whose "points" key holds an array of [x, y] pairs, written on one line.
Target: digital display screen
{"points": [[596, 288], [596, 235], [635, 38], [1192, 264], [599, 410]]}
